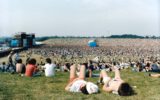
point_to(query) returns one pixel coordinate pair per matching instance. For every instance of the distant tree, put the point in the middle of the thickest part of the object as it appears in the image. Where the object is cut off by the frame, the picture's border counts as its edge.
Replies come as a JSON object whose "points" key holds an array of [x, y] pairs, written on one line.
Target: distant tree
{"points": [[146, 37], [126, 36], [153, 37], [102, 37]]}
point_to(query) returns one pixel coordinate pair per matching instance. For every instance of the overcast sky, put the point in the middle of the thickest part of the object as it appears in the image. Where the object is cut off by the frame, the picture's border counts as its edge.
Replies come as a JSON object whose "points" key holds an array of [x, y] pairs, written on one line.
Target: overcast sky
{"points": [[80, 17]]}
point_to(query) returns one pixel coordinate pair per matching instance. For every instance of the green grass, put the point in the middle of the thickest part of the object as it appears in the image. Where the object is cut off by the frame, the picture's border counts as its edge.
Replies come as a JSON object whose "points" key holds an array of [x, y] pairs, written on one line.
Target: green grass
{"points": [[15, 87]]}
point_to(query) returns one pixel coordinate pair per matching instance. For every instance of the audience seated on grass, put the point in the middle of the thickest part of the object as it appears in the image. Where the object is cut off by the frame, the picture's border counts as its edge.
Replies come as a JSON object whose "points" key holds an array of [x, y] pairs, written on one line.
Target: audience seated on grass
{"points": [[115, 85], [78, 84], [20, 67], [31, 69], [49, 68]]}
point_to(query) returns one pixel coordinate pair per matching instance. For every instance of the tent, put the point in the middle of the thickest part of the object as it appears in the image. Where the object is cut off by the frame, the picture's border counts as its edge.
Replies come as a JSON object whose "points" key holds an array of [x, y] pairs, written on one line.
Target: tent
{"points": [[92, 43]]}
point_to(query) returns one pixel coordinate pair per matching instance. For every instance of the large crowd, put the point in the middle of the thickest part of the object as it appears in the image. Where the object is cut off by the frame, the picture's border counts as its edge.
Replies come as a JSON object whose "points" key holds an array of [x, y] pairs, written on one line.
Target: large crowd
{"points": [[81, 60]]}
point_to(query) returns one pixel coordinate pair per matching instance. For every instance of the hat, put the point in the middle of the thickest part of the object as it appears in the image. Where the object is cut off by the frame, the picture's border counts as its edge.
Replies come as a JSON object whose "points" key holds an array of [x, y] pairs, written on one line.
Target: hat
{"points": [[91, 88]]}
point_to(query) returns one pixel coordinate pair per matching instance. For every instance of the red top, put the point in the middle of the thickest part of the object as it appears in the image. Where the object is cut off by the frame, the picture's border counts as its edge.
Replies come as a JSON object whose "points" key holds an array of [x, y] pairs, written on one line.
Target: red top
{"points": [[30, 69]]}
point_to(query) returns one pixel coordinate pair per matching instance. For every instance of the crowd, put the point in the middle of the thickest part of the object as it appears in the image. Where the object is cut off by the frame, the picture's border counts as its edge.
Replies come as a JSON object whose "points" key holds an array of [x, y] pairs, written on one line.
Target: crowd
{"points": [[109, 50], [82, 60]]}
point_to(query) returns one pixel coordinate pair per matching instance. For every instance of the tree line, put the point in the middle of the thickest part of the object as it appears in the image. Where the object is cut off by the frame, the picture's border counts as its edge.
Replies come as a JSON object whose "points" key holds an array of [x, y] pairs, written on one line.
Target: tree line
{"points": [[131, 36]]}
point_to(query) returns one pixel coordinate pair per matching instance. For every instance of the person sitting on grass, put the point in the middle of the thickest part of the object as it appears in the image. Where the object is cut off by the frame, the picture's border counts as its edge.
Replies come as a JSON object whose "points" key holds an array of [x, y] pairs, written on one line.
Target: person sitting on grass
{"points": [[66, 67], [31, 69], [115, 85], [49, 68], [78, 84], [148, 67], [3, 67], [20, 67], [155, 75]]}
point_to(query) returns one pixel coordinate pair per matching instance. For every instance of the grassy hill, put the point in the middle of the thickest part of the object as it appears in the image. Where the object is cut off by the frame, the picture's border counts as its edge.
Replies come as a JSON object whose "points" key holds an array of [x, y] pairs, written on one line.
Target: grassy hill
{"points": [[15, 87]]}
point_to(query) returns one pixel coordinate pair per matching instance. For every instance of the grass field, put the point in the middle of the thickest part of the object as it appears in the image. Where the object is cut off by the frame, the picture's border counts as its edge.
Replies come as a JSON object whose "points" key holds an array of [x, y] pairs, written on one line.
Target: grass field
{"points": [[15, 87]]}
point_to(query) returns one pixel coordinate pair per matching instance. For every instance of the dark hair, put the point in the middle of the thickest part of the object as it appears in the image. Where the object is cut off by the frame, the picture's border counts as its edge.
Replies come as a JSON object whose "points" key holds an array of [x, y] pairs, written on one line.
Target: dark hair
{"points": [[148, 65], [125, 90], [84, 90], [114, 63], [90, 61], [68, 65], [48, 60], [19, 61], [86, 65], [3, 63], [32, 61]]}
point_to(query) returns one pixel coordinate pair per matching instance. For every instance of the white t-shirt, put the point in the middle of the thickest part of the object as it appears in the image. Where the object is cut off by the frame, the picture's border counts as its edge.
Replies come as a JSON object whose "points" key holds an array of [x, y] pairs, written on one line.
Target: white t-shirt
{"points": [[76, 86], [49, 69]]}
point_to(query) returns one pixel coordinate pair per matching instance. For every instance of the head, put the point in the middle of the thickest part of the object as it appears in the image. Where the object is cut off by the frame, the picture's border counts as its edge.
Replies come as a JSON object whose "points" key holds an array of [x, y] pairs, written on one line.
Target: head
{"points": [[68, 65], [85, 64], [114, 63], [3, 63], [84, 90], [125, 90], [90, 62], [19, 61], [92, 88], [48, 60], [89, 88], [148, 64], [32, 61]]}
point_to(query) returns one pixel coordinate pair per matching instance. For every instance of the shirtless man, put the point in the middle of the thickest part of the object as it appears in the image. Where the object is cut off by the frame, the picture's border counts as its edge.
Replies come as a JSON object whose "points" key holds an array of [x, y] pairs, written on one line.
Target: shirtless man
{"points": [[115, 85], [78, 84]]}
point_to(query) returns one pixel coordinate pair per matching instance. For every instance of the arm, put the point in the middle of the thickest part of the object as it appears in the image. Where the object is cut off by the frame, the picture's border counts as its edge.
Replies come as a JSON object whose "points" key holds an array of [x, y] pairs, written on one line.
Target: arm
{"points": [[35, 69], [43, 68], [90, 73], [70, 84]]}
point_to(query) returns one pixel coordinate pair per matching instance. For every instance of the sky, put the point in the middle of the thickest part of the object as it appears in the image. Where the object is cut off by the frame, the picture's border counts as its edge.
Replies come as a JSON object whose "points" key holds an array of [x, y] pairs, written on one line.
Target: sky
{"points": [[80, 17]]}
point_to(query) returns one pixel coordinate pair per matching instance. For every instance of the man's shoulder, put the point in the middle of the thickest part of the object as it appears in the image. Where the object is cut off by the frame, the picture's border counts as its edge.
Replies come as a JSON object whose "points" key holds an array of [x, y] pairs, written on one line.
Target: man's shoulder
{"points": [[54, 65], [49, 65], [31, 66]]}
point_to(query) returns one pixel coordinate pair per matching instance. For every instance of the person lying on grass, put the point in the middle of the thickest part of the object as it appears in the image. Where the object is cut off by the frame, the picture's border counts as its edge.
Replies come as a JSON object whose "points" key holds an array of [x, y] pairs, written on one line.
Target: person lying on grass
{"points": [[78, 84], [155, 75], [115, 85]]}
